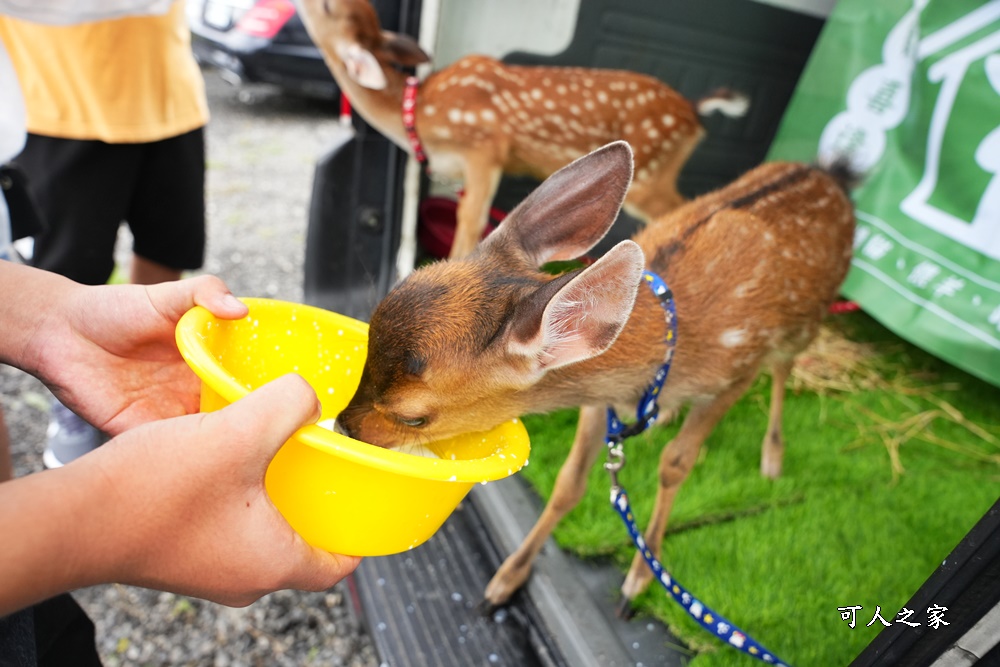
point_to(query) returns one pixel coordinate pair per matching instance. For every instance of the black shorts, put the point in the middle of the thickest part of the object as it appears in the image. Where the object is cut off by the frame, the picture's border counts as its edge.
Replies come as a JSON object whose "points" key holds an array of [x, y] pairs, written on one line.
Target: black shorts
{"points": [[86, 189], [53, 633]]}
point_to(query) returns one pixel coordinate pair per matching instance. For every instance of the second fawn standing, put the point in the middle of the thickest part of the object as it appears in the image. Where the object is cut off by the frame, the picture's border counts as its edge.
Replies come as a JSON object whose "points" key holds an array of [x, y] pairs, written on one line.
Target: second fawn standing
{"points": [[463, 345], [479, 118]]}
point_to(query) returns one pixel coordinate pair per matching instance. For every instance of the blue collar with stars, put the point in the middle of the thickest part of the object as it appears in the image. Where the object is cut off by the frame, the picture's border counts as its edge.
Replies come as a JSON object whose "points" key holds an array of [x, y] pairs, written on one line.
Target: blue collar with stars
{"points": [[649, 407]]}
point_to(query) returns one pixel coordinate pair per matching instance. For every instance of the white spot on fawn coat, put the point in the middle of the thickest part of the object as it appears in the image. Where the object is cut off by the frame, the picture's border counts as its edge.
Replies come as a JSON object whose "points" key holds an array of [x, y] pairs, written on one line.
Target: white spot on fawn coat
{"points": [[732, 337]]}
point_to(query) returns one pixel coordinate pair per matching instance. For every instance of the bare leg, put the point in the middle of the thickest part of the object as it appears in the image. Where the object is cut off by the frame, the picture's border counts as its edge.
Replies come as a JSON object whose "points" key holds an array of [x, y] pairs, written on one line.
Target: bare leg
{"points": [[675, 464], [148, 272], [570, 486]]}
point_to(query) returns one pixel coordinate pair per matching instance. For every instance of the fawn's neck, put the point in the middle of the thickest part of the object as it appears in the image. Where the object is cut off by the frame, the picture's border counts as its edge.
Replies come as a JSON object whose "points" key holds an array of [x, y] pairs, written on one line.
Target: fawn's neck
{"points": [[382, 109]]}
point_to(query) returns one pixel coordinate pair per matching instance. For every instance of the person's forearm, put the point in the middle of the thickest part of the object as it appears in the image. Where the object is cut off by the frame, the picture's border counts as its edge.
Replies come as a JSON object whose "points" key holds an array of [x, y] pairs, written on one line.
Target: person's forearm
{"points": [[6, 463], [52, 542], [27, 300]]}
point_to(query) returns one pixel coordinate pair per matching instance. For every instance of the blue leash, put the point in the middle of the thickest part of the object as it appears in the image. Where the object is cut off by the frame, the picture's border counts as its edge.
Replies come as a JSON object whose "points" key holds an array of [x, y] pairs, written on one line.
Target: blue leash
{"points": [[646, 413]]}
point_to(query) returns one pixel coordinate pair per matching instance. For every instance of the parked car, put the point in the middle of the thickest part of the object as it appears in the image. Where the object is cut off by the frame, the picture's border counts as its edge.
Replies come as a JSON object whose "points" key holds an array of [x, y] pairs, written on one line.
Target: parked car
{"points": [[259, 41]]}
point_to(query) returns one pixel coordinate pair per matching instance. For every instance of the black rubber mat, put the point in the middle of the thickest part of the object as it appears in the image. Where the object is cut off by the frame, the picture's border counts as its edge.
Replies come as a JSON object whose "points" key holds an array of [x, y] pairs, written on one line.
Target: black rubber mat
{"points": [[421, 606]]}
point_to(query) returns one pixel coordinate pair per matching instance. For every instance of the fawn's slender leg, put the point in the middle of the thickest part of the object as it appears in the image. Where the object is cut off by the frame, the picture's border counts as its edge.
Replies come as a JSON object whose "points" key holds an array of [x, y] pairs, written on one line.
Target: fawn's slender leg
{"points": [[655, 194], [773, 449], [654, 198], [482, 177], [676, 462], [569, 489]]}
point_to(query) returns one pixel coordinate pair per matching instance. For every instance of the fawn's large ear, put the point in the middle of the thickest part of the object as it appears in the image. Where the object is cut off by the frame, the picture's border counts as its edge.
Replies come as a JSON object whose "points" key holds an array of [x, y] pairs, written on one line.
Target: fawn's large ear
{"points": [[572, 210], [578, 316], [403, 49], [362, 66]]}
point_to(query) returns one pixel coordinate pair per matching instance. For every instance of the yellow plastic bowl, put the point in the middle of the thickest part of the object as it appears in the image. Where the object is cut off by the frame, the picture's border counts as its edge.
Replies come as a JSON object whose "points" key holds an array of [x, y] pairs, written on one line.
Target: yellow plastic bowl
{"points": [[340, 494]]}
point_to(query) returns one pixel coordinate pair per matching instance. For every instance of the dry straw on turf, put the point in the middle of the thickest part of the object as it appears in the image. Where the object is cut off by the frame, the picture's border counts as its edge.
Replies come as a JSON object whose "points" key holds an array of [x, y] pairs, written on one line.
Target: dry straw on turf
{"points": [[832, 363], [908, 406]]}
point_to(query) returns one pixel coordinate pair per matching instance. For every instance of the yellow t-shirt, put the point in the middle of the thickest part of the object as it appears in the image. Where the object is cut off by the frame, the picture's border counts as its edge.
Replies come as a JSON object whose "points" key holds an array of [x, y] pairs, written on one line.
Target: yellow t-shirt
{"points": [[125, 80]]}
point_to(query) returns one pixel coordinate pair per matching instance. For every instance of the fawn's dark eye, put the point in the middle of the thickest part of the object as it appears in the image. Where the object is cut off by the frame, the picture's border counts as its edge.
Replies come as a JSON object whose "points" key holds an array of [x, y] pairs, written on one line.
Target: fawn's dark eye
{"points": [[416, 422]]}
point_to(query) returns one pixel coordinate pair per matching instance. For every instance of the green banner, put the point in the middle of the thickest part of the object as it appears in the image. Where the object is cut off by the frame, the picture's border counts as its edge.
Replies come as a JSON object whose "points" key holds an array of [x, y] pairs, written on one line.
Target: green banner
{"points": [[909, 92]]}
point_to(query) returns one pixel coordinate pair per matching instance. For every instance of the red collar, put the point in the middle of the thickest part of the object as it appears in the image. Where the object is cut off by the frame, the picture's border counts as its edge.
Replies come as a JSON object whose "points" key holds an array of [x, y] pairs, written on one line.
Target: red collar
{"points": [[410, 118]]}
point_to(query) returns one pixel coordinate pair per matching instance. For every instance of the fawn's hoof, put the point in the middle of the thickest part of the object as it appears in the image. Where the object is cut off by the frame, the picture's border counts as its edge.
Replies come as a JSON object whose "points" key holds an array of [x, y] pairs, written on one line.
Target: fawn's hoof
{"points": [[486, 608], [625, 610]]}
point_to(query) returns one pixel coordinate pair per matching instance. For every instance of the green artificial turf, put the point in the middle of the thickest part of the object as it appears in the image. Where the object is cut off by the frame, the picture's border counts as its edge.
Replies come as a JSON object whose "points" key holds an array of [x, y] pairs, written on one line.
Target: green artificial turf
{"points": [[119, 276], [843, 526]]}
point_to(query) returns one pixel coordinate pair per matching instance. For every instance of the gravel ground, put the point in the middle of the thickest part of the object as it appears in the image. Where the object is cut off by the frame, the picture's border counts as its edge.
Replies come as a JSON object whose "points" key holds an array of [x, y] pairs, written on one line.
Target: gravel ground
{"points": [[261, 150]]}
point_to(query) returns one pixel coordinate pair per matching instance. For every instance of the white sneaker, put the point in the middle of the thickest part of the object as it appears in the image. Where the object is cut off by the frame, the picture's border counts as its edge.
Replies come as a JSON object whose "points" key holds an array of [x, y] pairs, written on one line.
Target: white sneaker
{"points": [[68, 437]]}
